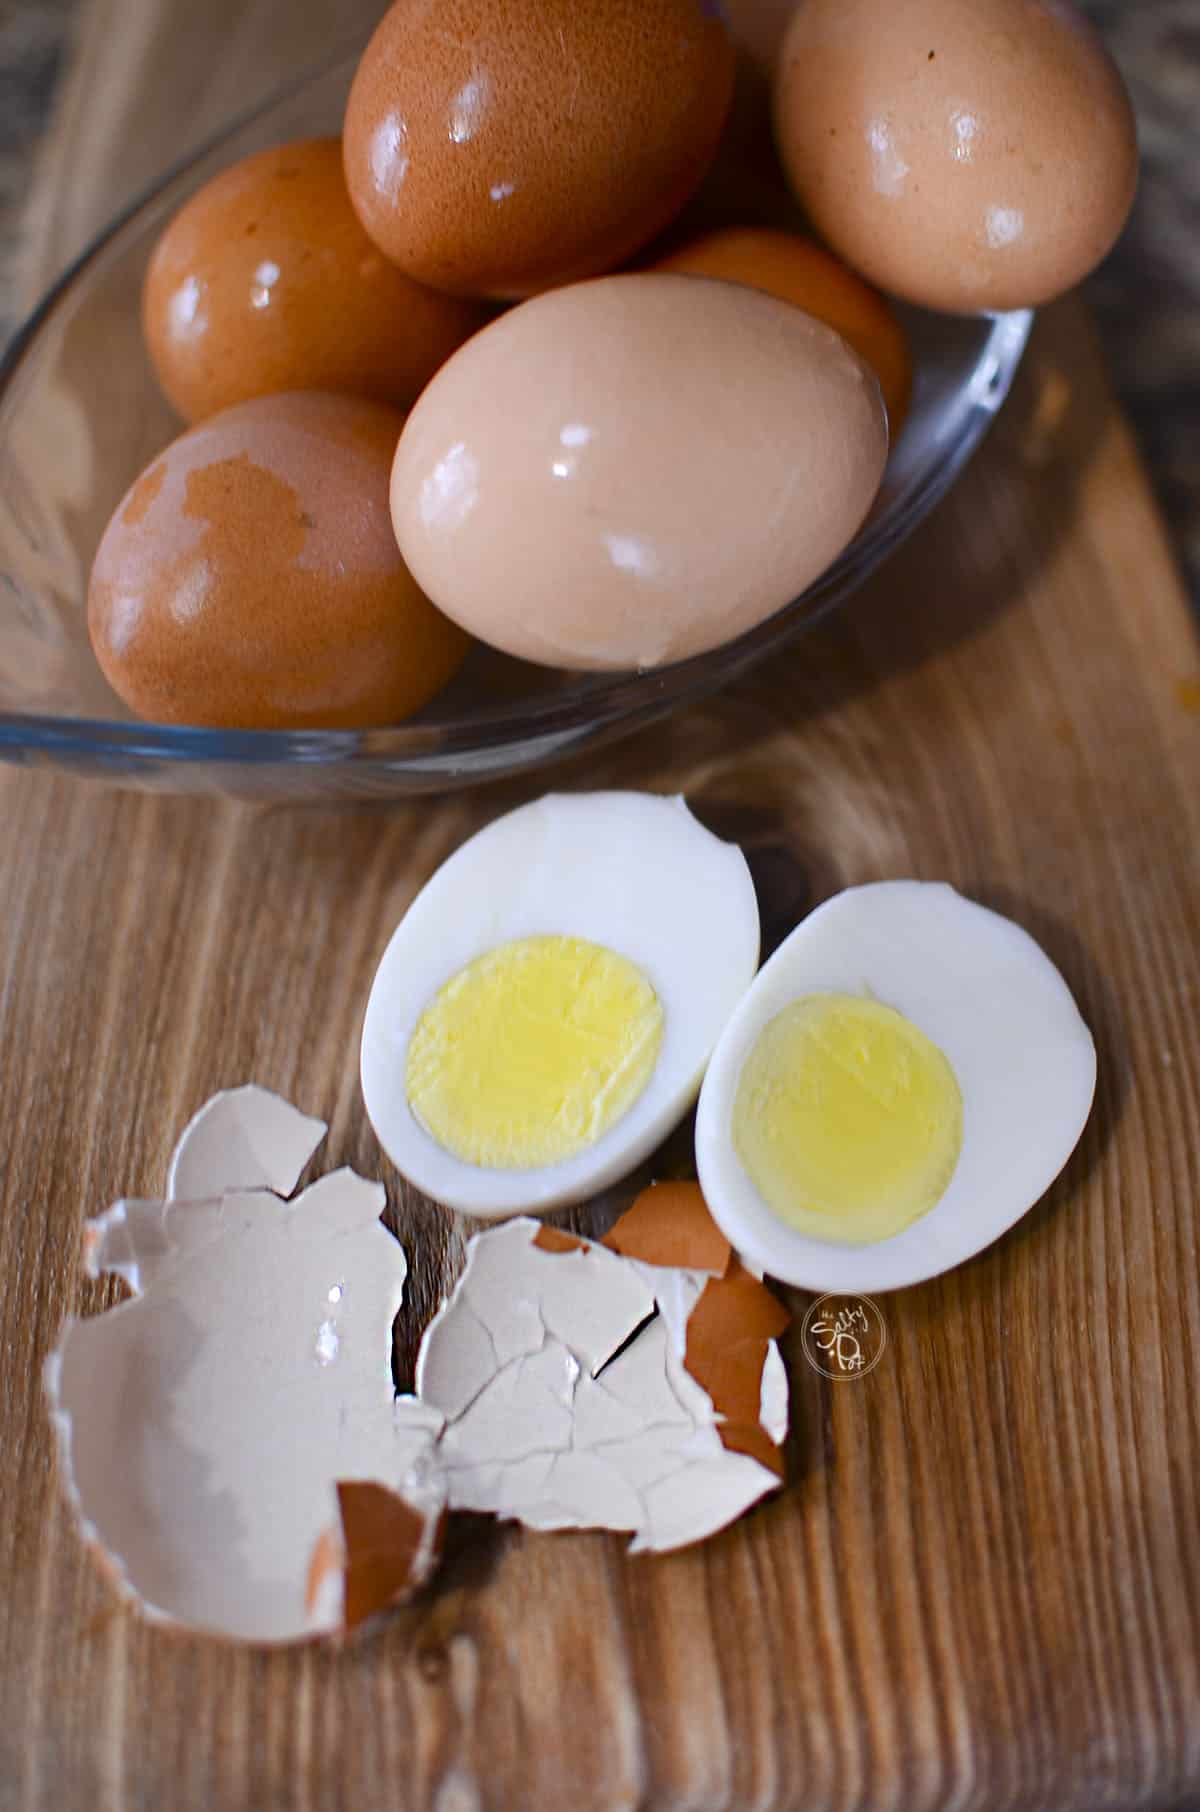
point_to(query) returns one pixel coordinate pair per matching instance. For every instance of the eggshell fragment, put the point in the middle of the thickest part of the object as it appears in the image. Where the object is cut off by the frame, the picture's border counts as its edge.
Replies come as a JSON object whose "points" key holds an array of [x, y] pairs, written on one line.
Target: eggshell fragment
{"points": [[204, 1424], [568, 1403], [674, 1244], [512, 1297], [243, 1138], [669, 1224], [386, 1544], [730, 1337], [390, 1548]]}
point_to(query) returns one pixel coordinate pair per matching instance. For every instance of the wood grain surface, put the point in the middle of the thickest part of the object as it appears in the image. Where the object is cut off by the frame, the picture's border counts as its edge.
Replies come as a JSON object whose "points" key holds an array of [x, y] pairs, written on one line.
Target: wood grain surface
{"points": [[981, 1587]]}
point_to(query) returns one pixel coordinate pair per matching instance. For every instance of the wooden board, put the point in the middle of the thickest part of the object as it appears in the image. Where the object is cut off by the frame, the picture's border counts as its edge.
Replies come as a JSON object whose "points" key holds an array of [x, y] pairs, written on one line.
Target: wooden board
{"points": [[981, 1587]]}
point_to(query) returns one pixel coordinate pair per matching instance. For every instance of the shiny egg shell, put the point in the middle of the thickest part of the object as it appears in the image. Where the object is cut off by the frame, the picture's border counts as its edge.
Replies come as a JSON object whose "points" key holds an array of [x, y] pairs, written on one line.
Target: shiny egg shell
{"points": [[501, 146], [798, 270], [265, 281], [636, 469], [250, 577], [962, 154]]}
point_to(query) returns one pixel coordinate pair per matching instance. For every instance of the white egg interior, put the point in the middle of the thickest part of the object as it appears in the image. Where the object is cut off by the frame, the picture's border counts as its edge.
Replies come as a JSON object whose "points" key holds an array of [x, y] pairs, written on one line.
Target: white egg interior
{"points": [[992, 1002], [631, 873]]}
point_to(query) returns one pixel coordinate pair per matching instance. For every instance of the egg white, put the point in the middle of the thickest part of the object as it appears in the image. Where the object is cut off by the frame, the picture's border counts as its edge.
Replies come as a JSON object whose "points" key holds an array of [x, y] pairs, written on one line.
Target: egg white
{"points": [[990, 998], [634, 872]]}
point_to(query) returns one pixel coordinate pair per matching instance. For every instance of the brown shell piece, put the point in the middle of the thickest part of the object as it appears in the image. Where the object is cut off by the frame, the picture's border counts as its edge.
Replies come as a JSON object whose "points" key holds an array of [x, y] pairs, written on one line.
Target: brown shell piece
{"points": [[496, 147], [728, 1334], [751, 1439], [250, 578], [669, 1224], [550, 1239], [387, 1547], [265, 281]]}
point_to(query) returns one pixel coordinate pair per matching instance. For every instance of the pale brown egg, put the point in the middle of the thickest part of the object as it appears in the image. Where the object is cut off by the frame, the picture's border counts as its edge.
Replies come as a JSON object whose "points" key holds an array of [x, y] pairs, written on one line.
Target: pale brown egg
{"points": [[800, 271], [265, 281], [497, 147], [250, 577], [963, 154], [633, 470]]}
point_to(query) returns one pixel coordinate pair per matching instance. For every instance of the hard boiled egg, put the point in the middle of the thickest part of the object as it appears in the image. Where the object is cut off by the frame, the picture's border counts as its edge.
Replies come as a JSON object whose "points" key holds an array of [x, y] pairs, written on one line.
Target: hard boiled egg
{"points": [[266, 281], [250, 579], [495, 147], [543, 1014], [904, 1079], [962, 154], [635, 470]]}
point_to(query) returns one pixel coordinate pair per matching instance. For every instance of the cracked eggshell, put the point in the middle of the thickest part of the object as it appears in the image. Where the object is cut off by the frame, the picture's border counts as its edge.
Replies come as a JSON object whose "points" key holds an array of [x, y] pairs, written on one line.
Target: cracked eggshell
{"points": [[730, 1350], [242, 1138], [517, 1290], [669, 1224], [386, 1544], [634, 872], [204, 1424], [568, 1404], [668, 1235]]}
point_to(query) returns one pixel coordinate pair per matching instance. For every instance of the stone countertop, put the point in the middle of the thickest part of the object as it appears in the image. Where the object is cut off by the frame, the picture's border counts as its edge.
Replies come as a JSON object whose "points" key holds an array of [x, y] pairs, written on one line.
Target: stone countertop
{"points": [[1146, 297]]}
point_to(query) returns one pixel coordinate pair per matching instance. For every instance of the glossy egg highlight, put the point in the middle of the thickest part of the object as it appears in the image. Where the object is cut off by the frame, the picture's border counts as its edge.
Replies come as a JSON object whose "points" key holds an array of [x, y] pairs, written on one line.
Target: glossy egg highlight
{"points": [[962, 154], [250, 578], [496, 147], [265, 281], [630, 471]]}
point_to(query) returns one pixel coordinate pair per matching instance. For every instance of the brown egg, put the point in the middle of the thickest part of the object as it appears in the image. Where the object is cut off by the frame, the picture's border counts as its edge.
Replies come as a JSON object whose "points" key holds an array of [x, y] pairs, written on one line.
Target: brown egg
{"points": [[963, 154], [500, 146], [250, 577], [266, 281], [626, 472]]}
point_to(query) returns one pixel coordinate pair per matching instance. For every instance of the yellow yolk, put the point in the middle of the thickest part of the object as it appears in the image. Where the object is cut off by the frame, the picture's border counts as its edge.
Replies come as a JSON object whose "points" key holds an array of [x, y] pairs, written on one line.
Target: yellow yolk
{"points": [[533, 1051], [847, 1118]]}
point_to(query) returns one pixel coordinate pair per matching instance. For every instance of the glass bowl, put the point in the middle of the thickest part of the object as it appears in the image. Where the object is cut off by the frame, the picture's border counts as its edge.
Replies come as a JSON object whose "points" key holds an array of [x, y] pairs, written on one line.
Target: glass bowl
{"points": [[80, 415]]}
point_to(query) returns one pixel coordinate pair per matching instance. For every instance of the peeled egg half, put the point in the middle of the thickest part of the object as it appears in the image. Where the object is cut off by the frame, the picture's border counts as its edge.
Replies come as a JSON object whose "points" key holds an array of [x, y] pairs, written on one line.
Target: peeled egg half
{"points": [[543, 1014], [904, 1079]]}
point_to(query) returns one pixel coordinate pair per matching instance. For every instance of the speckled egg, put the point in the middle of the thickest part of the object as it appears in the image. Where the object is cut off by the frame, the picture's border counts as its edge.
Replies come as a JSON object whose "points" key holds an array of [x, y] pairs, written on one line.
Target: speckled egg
{"points": [[636, 469], [265, 281], [498, 147], [250, 576], [963, 154]]}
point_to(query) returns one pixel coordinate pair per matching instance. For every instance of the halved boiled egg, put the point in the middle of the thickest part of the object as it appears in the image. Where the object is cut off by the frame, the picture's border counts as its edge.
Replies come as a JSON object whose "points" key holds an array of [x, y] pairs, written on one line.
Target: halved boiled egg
{"points": [[544, 1012], [905, 1078]]}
